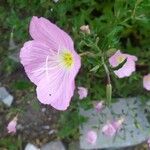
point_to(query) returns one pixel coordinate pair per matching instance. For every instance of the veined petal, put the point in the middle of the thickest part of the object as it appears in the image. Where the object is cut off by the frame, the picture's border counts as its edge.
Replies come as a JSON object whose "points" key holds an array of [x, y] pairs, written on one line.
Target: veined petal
{"points": [[127, 69], [43, 30], [56, 92], [33, 56]]}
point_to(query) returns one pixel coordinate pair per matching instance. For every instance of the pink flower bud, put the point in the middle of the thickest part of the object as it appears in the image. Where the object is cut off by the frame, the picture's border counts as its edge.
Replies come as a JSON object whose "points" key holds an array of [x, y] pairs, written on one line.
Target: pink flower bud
{"points": [[98, 106], [83, 92], [109, 130], [85, 29]]}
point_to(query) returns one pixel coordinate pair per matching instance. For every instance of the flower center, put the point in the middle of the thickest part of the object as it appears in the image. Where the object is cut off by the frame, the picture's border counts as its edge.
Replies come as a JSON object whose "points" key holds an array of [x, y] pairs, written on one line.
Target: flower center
{"points": [[67, 59], [120, 59]]}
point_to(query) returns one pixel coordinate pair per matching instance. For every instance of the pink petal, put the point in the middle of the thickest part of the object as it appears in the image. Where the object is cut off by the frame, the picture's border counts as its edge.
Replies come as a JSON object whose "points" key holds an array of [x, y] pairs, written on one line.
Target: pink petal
{"points": [[83, 92], [109, 130], [91, 137], [44, 31], [33, 56], [12, 126], [127, 69], [113, 59], [146, 82], [117, 124], [55, 91]]}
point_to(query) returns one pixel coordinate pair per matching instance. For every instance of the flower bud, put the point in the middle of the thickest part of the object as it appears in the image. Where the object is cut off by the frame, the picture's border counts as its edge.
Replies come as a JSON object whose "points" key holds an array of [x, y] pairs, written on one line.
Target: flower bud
{"points": [[85, 29]]}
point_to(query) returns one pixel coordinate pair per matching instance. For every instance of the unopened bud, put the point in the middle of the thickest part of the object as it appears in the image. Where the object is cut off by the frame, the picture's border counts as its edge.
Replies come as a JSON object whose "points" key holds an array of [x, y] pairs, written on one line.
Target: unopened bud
{"points": [[109, 93], [85, 29]]}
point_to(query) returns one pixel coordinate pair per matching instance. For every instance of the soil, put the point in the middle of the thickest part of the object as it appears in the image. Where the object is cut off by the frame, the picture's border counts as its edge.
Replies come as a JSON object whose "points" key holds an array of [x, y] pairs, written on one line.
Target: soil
{"points": [[37, 123]]}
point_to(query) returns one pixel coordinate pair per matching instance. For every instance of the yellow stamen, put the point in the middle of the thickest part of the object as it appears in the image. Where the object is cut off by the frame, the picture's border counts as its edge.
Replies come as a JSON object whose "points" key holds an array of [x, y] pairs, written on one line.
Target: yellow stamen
{"points": [[120, 59], [67, 59]]}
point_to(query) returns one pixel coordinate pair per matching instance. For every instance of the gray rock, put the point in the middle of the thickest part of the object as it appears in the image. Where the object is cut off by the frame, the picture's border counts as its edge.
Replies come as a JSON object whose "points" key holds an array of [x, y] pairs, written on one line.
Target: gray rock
{"points": [[5, 97], [52, 131], [54, 145], [74, 145], [30, 146], [46, 127], [43, 109], [134, 130], [19, 127]]}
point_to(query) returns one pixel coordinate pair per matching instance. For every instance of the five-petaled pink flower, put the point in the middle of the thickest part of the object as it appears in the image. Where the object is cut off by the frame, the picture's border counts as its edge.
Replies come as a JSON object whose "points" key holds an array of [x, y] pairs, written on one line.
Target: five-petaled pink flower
{"points": [[51, 63], [12, 125], [146, 82], [98, 106], [91, 137], [128, 67], [83, 92], [111, 128]]}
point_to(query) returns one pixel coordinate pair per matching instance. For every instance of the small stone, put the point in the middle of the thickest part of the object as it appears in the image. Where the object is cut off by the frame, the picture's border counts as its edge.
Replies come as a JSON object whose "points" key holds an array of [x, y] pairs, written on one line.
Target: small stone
{"points": [[74, 145], [30, 146], [5, 97], [54, 145], [47, 127], [19, 127], [43, 110], [52, 132]]}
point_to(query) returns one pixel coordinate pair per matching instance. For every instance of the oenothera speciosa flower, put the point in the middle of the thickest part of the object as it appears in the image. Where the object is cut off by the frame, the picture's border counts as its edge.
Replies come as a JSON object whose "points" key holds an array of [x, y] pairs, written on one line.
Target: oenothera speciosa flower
{"points": [[51, 63], [128, 67]]}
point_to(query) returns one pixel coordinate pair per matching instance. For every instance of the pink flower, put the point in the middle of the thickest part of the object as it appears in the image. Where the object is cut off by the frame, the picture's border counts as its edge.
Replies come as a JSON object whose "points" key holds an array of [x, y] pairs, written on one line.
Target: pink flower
{"points": [[12, 126], [146, 82], [85, 29], [83, 92], [110, 129], [91, 137], [98, 106], [128, 68], [51, 63]]}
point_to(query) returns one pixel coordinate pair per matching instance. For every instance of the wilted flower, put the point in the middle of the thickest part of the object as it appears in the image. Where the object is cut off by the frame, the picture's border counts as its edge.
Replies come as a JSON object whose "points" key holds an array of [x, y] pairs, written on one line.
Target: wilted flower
{"points": [[83, 92], [85, 29], [129, 66], [12, 125], [91, 137], [51, 63], [117, 124], [146, 82], [110, 129], [98, 106]]}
